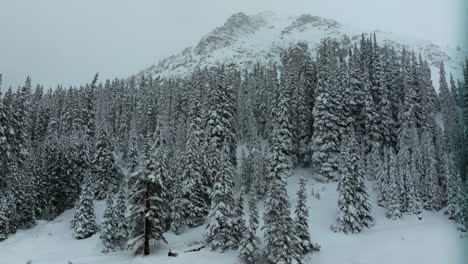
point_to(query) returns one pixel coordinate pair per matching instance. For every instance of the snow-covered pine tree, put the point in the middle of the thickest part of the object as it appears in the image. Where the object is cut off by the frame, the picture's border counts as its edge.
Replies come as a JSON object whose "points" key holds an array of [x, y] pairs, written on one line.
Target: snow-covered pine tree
{"points": [[258, 166], [387, 121], [221, 233], [413, 192], [220, 123], [178, 206], [4, 222], [445, 102], [374, 163], [84, 220], [120, 222], [404, 175], [146, 220], [372, 137], [443, 166], [344, 94], [248, 248], [161, 171], [193, 188], [107, 179], [455, 198], [11, 213], [88, 111], [463, 226], [282, 244], [355, 211], [393, 202], [20, 118], [239, 225], [108, 226], [22, 191], [6, 135], [465, 122], [325, 138], [133, 155], [302, 220], [293, 82], [383, 179], [245, 170], [408, 141], [412, 187], [63, 175], [430, 190], [457, 135]]}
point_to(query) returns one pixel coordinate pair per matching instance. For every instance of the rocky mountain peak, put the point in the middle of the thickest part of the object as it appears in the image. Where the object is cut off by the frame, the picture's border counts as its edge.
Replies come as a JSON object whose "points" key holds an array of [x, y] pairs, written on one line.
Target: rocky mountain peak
{"points": [[302, 23], [237, 25]]}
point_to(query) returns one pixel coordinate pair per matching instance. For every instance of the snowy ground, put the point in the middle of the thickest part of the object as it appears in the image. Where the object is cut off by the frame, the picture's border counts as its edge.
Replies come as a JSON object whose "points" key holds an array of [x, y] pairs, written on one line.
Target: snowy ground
{"points": [[433, 240]]}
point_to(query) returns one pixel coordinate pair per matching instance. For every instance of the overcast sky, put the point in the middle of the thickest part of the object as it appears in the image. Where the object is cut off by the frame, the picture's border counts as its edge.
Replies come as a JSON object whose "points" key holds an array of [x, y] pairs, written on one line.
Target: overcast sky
{"points": [[66, 41]]}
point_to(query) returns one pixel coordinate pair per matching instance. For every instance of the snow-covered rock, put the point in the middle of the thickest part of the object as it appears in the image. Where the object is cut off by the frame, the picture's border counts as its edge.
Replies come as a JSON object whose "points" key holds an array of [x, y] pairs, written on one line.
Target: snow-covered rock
{"points": [[244, 40]]}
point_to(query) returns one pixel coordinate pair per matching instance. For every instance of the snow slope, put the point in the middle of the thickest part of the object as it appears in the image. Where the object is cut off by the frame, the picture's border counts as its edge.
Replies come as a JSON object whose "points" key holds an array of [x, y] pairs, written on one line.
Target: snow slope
{"points": [[245, 40], [433, 240]]}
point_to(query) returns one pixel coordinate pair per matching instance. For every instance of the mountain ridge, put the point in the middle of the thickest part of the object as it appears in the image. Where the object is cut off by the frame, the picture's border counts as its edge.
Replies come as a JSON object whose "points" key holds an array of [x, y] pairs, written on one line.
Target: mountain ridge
{"points": [[244, 40]]}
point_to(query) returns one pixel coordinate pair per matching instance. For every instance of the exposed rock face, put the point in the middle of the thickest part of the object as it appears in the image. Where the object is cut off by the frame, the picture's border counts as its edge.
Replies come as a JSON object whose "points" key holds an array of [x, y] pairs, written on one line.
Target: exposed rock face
{"points": [[237, 25], [304, 21]]}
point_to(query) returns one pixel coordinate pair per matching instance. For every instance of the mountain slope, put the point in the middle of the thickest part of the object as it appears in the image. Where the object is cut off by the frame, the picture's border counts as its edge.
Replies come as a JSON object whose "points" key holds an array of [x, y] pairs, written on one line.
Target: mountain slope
{"points": [[245, 40], [433, 240]]}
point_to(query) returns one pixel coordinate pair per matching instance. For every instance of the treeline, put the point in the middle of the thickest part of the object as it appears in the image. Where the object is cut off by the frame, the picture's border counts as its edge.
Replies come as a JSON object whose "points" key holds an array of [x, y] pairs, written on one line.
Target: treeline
{"points": [[166, 147]]}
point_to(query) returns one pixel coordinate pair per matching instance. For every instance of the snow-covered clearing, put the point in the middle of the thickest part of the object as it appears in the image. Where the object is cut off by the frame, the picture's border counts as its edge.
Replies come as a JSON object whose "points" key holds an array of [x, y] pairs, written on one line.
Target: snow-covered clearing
{"points": [[433, 240]]}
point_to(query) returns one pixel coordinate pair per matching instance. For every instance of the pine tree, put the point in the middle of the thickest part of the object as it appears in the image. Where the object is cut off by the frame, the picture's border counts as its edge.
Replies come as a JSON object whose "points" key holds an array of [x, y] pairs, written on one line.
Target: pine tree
{"points": [[325, 138], [239, 225], [108, 226], [431, 192], [282, 244], [84, 220], [374, 162], [221, 230], [104, 168], [120, 221], [20, 118], [302, 219], [193, 188], [23, 192], [88, 111], [178, 207], [6, 135], [465, 111], [221, 116], [248, 248], [4, 222], [133, 155], [146, 220], [258, 166], [387, 121], [353, 202], [455, 198], [463, 225], [12, 216], [245, 170], [393, 202], [161, 170], [412, 188], [383, 178]]}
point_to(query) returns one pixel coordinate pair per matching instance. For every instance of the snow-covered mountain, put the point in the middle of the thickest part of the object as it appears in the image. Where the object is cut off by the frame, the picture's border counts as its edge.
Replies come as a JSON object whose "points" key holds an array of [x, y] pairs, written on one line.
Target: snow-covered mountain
{"points": [[244, 40]]}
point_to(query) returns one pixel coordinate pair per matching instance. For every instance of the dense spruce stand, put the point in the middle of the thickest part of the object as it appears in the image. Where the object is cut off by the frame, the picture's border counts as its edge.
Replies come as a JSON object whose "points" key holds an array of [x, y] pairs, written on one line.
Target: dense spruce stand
{"points": [[364, 115]]}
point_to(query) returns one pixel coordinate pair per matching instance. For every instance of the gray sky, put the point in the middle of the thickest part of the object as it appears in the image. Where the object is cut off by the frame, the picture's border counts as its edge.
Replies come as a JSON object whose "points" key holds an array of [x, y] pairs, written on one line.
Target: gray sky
{"points": [[65, 41]]}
